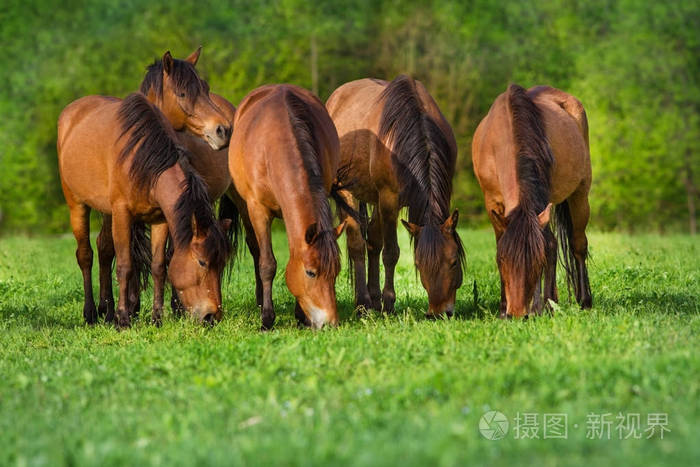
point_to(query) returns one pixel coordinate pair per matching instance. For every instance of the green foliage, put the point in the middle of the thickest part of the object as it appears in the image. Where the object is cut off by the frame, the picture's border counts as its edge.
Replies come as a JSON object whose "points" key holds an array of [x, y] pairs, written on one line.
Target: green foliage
{"points": [[633, 64], [377, 391]]}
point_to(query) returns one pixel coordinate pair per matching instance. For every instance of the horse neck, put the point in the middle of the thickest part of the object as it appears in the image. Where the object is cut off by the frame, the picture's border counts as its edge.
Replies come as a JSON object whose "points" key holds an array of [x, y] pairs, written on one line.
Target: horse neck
{"points": [[165, 196], [299, 209]]}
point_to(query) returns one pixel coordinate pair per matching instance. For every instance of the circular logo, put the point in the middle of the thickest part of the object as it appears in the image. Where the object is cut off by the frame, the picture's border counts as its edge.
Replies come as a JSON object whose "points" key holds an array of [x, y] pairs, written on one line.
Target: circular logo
{"points": [[493, 425]]}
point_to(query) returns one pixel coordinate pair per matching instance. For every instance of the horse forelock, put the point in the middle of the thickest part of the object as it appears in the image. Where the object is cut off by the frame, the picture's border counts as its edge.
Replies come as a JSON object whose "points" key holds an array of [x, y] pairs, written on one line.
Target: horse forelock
{"points": [[305, 133], [429, 245], [183, 75], [423, 155]]}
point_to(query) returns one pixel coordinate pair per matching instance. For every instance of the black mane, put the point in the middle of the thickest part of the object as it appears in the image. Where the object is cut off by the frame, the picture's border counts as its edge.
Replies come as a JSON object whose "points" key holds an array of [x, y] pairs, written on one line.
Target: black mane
{"points": [[151, 144], [183, 75], [523, 241], [425, 165], [304, 129], [152, 149]]}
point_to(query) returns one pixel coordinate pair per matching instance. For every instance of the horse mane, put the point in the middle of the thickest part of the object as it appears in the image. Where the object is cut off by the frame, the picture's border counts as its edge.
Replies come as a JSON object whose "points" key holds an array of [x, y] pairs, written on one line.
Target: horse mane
{"points": [[523, 241], [304, 130], [152, 149], [183, 75], [425, 163], [194, 203], [151, 146]]}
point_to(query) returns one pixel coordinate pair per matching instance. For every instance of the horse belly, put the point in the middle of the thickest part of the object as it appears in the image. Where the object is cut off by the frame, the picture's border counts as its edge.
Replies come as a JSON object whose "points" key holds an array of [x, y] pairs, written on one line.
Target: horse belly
{"points": [[84, 172]]}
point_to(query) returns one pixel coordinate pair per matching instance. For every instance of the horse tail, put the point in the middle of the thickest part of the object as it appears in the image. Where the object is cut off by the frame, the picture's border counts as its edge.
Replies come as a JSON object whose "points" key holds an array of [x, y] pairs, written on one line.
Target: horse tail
{"points": [[565, 228], [424, 157], [229, 210], [140, 256]]}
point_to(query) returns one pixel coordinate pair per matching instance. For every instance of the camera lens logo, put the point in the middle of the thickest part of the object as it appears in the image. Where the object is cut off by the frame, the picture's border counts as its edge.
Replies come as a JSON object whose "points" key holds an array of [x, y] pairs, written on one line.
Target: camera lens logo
{"points": [[493, 425]]}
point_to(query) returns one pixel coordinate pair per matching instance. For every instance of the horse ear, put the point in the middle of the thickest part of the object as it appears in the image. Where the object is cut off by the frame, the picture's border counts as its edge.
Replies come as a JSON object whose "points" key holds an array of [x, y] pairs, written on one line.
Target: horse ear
{"points": [[413, 229], [194, 56], [499, 221], [225, 224], [167, 63], [311, 233], [543, 217], [451, 223], [340, 228]]}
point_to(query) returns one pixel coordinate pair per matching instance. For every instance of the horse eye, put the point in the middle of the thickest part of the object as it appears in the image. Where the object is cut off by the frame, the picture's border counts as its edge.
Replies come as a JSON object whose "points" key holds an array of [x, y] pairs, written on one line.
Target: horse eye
{"points": [[182, 94], [202, 263], [311, 274]]}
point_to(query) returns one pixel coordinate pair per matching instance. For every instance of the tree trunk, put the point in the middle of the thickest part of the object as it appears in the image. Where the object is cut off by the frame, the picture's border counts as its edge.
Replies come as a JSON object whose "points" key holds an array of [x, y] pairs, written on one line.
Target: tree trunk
{"points": [[692, 192]]}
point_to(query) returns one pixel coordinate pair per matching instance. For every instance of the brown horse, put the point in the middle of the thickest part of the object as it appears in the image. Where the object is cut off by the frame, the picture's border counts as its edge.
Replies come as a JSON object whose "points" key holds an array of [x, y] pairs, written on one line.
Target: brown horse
{"points": [[122, 158], [210, 163], [283, 158], [530, 152], [397, 150]]}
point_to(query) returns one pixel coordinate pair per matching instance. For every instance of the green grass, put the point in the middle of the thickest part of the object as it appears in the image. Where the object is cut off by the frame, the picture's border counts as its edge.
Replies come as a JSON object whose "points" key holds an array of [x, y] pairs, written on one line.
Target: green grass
{"points": [[380, 390]]}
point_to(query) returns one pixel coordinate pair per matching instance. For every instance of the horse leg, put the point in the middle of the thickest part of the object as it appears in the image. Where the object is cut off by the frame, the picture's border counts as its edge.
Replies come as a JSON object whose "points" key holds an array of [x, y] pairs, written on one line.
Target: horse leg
{"points": [[356, 253], [252, 243], [536, 308], [105, 255], [498, 230], [261, 220], [374, 249], [159, 238], [580, 212], [80, 222], [121, 234], [550, 270], [388, 213]]}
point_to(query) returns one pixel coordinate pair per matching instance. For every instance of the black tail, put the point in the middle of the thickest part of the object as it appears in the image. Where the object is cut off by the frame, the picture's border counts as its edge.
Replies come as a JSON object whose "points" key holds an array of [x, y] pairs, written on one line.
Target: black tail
{"points": [[565, 229], [229, 210], [140, 255]]}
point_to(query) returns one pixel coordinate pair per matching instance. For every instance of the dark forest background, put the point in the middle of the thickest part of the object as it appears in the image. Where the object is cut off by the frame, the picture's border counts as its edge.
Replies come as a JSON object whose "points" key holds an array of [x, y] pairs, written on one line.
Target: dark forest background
{"points": [[635, 65]]}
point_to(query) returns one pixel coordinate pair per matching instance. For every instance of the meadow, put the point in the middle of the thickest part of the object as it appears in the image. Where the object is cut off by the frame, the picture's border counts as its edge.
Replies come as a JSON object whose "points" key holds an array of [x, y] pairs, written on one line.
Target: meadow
{"points": [[379, 390]]}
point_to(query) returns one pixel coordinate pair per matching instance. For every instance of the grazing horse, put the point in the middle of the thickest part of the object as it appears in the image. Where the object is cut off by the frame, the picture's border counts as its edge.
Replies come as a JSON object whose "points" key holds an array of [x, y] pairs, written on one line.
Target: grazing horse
{"points": [[122, 158], [283, 158], [210, 162], [397, 150], [531, 152]]}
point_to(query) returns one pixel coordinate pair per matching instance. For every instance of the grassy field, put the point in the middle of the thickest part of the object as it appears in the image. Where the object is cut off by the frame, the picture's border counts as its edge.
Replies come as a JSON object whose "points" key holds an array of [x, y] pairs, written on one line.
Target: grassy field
{"points": [[380, 390]]}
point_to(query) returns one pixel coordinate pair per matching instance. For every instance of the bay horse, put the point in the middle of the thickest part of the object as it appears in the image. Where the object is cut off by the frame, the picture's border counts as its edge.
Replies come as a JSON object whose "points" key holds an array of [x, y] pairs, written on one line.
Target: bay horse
{"points": [[209, 162], [283, 158], [121, 157], [397, 150], [531, 152]]}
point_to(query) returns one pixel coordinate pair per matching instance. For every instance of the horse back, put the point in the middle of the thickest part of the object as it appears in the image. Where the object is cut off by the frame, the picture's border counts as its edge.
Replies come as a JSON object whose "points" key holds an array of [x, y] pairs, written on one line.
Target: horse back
{"points": [[266, 153], [566, 126], [88, 133]]}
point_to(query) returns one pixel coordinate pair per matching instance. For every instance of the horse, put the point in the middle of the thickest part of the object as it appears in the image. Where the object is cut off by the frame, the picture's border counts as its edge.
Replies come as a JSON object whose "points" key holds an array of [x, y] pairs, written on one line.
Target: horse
{"points": [[122, 158], [210, 163], [531, 152], [397, 150], [283, 158]]}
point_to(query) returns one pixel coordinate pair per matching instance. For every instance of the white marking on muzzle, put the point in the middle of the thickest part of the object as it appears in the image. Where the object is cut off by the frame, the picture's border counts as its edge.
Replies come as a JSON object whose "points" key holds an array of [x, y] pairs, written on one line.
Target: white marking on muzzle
{"points": [[317, 316]]}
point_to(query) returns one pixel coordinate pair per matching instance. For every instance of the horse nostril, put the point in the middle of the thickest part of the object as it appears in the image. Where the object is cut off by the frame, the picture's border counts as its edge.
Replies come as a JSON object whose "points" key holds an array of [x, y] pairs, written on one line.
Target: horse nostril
{"points": [[221, 131], [209, 319]]}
